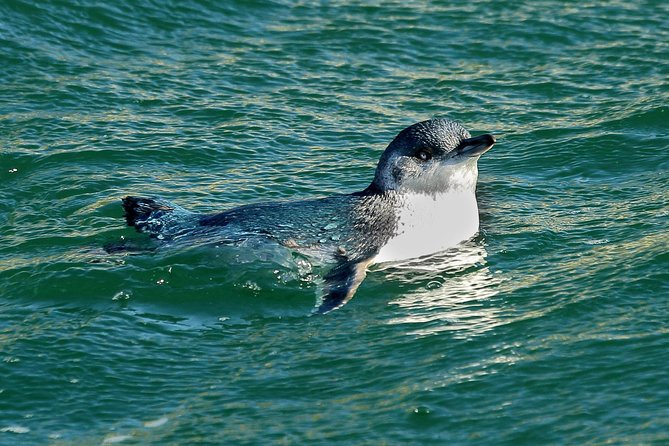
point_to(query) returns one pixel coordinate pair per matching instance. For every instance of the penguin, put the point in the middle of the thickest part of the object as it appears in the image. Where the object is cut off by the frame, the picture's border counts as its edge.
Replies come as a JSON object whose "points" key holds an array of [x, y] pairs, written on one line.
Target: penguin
{"points": [[422, 200]]}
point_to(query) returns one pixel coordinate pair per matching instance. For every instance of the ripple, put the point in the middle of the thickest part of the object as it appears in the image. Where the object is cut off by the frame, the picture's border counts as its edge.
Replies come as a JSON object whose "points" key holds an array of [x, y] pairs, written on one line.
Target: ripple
{"points": [[550, 318], [15, 429]]}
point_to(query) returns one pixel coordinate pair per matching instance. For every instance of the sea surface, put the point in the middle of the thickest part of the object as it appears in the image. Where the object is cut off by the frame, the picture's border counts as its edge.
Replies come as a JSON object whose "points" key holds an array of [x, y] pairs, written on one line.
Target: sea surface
{"points": [[549, 327]]}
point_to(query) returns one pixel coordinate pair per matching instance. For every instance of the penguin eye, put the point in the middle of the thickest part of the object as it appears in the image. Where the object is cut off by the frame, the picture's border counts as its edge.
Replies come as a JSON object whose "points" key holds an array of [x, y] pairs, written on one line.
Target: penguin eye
{"points": [[423, 155]]}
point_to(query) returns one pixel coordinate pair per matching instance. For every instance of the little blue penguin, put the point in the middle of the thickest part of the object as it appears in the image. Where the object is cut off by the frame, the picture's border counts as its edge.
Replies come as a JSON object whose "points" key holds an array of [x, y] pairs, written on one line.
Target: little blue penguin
{"points": [[421, 201]]}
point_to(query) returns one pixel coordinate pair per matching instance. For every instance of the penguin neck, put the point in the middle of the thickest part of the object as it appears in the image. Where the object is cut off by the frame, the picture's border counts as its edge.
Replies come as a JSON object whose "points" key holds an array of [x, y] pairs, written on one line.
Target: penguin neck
{"points": [[428, 223]]}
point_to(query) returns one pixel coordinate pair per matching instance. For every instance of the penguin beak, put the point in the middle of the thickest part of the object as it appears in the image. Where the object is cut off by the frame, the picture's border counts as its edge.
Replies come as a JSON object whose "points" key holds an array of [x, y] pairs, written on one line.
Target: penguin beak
{"points": [[475, 146]]}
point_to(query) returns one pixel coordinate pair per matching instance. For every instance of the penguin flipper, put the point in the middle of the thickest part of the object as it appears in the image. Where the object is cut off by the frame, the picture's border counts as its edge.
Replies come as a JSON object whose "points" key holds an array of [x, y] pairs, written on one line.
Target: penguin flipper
{"points": [[341, 283]]}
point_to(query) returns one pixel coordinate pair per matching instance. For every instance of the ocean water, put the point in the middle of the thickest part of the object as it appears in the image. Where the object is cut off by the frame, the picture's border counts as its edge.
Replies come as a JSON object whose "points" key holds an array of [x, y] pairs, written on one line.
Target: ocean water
{"points": [[549, 327]]}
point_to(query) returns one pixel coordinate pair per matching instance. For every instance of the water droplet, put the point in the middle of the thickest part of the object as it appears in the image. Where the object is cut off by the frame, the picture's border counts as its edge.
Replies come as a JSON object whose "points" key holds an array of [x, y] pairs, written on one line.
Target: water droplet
{"points": [[122, 295], [421, 410], [252, 285]]}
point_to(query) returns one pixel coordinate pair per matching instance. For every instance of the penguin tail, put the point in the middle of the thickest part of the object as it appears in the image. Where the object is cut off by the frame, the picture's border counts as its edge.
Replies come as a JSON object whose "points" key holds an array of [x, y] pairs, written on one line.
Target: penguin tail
{"points": [[146, 214]]}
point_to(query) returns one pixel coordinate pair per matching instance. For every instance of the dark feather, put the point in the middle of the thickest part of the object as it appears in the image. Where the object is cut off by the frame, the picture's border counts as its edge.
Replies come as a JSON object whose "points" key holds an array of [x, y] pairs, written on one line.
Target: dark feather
{"points": [[341, 282]]}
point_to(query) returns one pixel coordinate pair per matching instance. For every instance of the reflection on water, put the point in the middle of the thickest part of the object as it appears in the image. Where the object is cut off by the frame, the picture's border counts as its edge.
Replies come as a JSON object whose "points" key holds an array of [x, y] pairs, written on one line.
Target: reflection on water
{"points": [[457, 287]]}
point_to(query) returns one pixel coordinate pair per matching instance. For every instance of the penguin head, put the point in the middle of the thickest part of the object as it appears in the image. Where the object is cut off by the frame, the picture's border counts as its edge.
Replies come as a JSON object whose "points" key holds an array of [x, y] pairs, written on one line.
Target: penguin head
{"points": [[431, 157]]}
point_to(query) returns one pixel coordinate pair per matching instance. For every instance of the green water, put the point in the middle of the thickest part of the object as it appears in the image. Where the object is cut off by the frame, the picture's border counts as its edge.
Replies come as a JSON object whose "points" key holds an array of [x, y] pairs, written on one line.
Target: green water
{"points": [[549, 328]]}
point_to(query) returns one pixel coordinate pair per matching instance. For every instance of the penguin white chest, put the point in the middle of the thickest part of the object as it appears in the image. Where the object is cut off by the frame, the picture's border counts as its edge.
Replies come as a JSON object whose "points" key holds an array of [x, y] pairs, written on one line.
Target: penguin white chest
{"points": [[431, 223]]}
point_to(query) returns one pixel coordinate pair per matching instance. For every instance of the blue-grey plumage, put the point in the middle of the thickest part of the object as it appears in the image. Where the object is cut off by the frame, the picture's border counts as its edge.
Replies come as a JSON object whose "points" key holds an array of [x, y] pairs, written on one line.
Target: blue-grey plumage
{"points": [[429, 165]]}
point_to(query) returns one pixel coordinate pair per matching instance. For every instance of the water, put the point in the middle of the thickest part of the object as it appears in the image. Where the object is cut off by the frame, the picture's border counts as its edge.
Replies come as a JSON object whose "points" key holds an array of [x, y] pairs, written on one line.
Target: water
{"points": [[549, 328]]}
